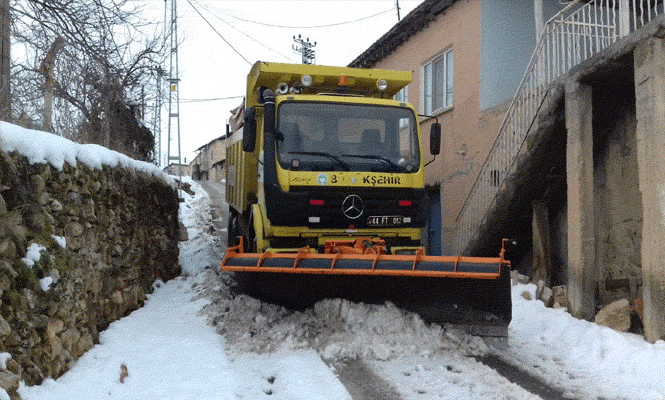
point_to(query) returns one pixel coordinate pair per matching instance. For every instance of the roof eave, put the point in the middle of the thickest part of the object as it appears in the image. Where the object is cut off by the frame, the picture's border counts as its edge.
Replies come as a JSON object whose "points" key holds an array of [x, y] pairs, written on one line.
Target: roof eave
{"points": [[414, 22]]}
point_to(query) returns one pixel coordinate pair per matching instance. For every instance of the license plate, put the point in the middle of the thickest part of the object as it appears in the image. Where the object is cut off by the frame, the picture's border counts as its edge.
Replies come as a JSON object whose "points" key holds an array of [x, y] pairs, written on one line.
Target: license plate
{"points": [[385, 220]]}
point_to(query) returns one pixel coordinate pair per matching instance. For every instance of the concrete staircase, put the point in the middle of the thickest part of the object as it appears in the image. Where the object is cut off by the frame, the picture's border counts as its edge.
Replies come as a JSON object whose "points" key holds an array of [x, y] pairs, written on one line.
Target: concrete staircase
{"points": [[527, 157]]}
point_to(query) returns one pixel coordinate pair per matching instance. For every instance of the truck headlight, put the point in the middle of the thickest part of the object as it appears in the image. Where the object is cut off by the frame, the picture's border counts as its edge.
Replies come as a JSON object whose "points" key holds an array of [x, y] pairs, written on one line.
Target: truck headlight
{"points": [[382, 84]]}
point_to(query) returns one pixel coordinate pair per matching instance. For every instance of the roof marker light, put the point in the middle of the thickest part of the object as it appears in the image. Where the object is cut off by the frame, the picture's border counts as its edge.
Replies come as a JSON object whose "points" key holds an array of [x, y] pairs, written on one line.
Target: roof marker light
{"points": [[306, 80], [343, 81]]}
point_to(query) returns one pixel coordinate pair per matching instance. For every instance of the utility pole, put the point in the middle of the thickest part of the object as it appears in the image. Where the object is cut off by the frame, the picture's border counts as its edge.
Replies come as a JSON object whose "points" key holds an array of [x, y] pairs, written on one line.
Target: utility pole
{"points": [[305, 49], [174, 93], [5, 44], [46, 68]]}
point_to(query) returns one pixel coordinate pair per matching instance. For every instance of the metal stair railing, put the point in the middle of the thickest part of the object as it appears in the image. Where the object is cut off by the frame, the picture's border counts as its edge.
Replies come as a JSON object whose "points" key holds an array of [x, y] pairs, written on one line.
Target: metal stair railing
{"points": [[575, 34]]}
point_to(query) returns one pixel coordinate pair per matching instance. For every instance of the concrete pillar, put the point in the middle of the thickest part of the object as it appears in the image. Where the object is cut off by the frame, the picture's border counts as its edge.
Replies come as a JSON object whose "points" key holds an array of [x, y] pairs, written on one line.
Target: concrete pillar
{"points": [[579, 171], [649, 59], [541, 239]]}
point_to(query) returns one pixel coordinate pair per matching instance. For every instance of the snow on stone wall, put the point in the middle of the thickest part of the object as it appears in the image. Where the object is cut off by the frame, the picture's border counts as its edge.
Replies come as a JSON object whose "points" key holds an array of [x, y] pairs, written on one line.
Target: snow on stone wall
{"points": [[84, 231]]}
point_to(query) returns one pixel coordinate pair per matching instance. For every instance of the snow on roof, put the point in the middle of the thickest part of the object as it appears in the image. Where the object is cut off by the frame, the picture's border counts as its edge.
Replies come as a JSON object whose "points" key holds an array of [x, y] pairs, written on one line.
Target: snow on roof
{"points": [[43, 147]]}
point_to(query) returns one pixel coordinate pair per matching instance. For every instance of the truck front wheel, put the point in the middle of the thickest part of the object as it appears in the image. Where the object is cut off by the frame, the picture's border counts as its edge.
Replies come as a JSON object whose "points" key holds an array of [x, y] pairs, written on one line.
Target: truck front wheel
{"points": [[241, 226], [233, 230]]}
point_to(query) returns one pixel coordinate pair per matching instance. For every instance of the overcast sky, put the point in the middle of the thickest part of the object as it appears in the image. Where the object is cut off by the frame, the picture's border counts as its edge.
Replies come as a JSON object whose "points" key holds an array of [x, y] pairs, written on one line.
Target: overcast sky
{"points": [[257, 30]]}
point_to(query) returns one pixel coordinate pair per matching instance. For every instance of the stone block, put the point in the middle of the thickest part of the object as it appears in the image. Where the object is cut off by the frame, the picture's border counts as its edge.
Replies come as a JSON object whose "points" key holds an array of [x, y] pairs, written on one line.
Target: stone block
{"points": [[615, 315], [560, 296], [54, 327], [546, 296], [9, 381], [5, 329]]}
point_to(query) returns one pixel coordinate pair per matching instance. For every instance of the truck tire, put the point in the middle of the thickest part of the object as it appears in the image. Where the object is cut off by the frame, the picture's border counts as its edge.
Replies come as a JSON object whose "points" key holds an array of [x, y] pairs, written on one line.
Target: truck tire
{"points": [[250, 239], [233, 230]]}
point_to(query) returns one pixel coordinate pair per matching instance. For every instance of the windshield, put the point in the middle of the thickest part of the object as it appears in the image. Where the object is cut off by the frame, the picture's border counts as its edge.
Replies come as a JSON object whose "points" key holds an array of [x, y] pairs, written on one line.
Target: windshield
{"points": [[347, 137]]}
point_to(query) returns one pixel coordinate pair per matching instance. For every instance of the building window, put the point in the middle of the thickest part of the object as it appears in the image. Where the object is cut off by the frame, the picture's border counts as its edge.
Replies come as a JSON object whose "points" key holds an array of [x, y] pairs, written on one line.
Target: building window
{"points": [[402, 95], [438, 83]]}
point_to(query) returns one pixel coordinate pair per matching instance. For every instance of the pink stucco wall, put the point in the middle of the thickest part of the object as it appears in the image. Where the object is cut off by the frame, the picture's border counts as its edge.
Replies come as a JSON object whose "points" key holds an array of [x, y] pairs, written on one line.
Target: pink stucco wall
{"points": [[467, 131]]}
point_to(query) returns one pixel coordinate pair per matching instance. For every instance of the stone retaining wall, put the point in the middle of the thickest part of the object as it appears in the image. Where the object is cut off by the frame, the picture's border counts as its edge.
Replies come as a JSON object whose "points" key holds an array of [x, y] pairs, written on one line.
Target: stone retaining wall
{"points": [[96, 238]]}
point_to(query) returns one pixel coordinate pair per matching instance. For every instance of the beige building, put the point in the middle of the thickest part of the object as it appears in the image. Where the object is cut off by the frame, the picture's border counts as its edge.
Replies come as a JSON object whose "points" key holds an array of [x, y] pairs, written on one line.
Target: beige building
{"points": [[543, 138], [176, 169], [208, 165]]}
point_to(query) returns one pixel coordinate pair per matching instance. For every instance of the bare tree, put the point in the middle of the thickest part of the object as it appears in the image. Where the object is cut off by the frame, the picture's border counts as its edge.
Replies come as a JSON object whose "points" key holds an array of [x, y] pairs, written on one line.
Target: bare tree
{"points": [[105, 60], [5, 93]]}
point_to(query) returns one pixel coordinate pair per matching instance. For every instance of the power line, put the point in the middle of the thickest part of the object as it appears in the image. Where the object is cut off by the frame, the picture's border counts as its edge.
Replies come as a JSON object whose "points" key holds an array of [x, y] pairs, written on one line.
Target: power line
{"points": [[238, 30], [210, 99], [309, 27], [218, 34]]}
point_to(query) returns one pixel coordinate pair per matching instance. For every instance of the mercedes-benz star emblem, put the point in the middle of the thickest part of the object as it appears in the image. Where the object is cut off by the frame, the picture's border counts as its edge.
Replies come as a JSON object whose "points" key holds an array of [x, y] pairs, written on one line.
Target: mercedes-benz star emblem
{"points": [[353, 206]]}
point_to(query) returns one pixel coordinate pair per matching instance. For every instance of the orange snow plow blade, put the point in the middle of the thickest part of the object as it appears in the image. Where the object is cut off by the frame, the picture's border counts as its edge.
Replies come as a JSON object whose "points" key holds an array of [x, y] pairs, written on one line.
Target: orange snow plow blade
{"points": [[471, 293], [342, 260]]}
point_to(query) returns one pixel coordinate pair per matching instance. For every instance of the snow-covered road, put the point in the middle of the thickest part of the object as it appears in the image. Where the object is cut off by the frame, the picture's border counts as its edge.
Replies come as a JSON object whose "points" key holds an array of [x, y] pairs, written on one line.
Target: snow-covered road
{"points": [[172, 347]]}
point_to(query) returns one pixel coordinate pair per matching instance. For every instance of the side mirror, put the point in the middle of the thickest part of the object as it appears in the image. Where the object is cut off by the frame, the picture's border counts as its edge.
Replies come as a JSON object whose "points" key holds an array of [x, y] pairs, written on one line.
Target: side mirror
{"points": [[435, 139], [249, 131]]}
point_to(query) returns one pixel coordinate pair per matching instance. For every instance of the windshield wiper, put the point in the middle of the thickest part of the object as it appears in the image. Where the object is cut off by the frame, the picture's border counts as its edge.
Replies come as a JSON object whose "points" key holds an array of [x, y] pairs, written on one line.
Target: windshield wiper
{"points": [[388, 161], [336, 159]]}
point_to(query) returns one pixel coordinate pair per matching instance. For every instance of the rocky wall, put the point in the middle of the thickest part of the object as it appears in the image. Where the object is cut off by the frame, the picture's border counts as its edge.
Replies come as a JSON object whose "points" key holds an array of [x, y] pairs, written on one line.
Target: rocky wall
{"points": [[79, 248]]}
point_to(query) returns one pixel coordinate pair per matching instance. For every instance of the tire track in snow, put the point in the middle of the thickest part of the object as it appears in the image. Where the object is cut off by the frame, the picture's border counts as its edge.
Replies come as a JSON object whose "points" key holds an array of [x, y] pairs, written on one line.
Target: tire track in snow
{"points": [[361, 382], [521, 378]]}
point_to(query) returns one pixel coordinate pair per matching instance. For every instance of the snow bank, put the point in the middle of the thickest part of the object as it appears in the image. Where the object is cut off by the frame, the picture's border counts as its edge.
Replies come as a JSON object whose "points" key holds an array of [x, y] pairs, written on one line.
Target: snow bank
{"points": [[202, 250], [592, 360], [336, 328], [43, 147]]}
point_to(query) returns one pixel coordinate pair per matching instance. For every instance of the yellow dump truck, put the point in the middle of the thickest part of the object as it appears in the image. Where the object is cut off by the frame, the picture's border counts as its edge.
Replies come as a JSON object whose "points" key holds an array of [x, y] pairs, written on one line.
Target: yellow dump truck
{"points": [[325, 186]]}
